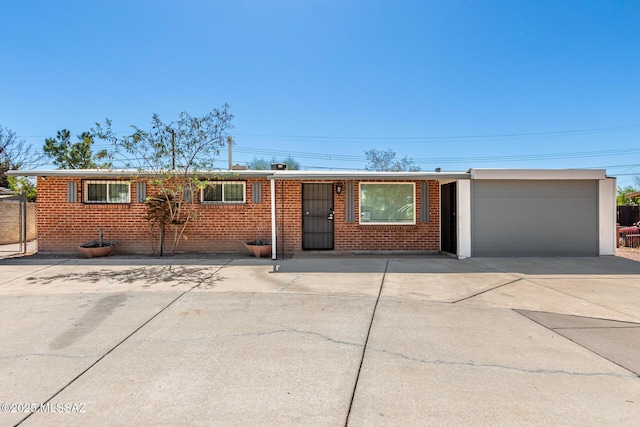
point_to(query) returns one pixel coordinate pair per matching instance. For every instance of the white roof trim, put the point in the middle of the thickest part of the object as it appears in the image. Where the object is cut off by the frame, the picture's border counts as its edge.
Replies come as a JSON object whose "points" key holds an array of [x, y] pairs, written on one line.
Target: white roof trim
{"points": [[538, 174], [513, 174], [271, 174]]}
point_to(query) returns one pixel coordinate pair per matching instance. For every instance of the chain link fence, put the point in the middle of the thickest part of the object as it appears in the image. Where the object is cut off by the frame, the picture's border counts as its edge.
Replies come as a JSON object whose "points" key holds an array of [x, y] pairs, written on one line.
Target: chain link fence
{"points": [[18, 234]]}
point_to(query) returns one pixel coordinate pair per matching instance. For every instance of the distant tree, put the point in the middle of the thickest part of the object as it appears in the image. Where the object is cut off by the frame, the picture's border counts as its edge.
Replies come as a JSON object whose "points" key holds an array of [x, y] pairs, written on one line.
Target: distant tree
{"points": [[385, 161], [15, 153], [73, 155], [291, 163], [262, 164], [24, 186], [174, 153], [621, 200]]}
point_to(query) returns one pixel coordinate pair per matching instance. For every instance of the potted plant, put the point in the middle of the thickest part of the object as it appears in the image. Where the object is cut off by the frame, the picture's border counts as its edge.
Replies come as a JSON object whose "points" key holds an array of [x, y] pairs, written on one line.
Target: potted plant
{"points": [[259, 247], [97, 248]]}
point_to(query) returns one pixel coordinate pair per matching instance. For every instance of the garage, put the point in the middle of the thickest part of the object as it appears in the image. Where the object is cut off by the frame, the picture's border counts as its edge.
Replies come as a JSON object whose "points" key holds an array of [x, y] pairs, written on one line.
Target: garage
{"points": [[534, 217]]}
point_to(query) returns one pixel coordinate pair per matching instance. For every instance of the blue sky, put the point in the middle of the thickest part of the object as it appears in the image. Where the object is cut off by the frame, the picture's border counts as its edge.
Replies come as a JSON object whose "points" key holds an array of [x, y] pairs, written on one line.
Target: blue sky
{"points": [[451, 84]]}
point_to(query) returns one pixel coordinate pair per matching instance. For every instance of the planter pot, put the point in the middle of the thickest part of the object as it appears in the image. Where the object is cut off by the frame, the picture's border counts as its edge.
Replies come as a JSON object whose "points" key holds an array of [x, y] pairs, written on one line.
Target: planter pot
{"points": [[258, 251], [95, 251]]}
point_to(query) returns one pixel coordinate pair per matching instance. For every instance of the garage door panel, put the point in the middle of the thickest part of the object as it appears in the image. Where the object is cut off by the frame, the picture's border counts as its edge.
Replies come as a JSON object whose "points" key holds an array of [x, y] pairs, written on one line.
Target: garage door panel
{"points": [[534, 218]]}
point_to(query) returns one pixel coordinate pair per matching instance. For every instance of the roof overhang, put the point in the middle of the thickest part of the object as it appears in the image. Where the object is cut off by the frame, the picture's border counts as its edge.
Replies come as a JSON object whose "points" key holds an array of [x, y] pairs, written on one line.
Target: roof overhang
{"points": [[270, 174], [632, 195], [539, 174], [364, 175], [498, 174], [130, 173]]}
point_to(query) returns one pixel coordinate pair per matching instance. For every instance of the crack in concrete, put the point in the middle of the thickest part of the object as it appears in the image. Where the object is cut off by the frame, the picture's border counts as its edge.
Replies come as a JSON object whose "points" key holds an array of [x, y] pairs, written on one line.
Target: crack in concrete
{"points": [[113, 348], [498, 366], [216, 336], [291, 282], [487, 290], [286, 328]]}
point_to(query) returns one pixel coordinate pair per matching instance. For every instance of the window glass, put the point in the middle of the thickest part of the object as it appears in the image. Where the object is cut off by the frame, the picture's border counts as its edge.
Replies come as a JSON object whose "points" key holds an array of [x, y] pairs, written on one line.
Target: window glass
{"points": [[224, 192], [387, 203], [234, 192], [212, 193], [107, 192], [96, 192], [118, 192]]}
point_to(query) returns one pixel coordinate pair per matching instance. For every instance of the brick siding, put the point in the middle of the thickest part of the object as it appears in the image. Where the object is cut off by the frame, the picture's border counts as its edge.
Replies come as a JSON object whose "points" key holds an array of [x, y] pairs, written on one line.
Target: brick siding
{"points": [[62, 225]]}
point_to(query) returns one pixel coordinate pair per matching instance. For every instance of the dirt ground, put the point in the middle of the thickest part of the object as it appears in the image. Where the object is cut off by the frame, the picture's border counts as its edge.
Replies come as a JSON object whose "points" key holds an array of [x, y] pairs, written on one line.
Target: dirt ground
{"points": [[629, 253]]}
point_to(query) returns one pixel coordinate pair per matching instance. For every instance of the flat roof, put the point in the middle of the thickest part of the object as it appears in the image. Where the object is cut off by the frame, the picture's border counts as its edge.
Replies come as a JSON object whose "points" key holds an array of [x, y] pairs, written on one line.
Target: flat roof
{"points": [[511, 174], [271, 174], [538, 174]]}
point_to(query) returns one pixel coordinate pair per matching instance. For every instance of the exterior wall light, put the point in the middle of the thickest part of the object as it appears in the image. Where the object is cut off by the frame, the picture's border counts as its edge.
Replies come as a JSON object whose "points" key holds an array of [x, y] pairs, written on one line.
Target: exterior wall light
{"points": [[339, 188]]}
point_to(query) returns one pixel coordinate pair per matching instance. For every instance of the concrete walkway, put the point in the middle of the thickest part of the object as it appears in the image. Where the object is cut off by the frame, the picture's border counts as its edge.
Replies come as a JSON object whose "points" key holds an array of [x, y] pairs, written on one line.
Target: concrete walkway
{"points": [[320, 341]]}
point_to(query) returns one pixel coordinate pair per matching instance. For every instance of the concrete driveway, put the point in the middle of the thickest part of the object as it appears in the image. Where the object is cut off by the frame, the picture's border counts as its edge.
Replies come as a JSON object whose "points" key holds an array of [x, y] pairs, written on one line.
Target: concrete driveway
{"points": [[320, 341]]}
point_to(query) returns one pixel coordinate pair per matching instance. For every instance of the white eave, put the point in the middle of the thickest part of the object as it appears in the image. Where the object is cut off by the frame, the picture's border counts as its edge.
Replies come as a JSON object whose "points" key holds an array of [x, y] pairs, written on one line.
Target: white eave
{"points": [[271, 174], [306, 175], [309, 175], [539, 174], [128, 173]]}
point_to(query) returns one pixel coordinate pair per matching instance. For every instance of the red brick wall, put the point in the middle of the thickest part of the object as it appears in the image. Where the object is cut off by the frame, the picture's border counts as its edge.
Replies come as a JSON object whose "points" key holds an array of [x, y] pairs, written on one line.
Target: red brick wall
{"points": [[423, 236], [62, 226]]}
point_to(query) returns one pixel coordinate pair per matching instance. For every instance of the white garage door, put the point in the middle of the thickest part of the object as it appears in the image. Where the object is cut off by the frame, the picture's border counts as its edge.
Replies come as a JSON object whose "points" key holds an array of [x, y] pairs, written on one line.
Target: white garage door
{"points": [[534, 218]]}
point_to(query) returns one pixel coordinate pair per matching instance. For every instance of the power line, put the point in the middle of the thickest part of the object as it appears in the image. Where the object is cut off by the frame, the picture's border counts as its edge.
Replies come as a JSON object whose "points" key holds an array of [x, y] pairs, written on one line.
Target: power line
{"points": [[417, 138], [457, 159], [573, 132]]}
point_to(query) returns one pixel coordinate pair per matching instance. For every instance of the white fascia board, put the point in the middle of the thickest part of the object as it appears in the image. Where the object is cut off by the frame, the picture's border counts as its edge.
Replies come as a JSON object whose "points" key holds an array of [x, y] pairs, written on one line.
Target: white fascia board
{"points": [[101, 173], [271, 174], [366, 175], [74, 172], [538, 174]]}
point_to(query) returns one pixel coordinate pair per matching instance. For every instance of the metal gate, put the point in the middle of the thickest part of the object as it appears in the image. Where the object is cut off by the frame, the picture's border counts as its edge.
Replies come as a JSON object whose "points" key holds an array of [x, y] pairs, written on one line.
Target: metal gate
{"points": [[17, 226], [317, 216]]}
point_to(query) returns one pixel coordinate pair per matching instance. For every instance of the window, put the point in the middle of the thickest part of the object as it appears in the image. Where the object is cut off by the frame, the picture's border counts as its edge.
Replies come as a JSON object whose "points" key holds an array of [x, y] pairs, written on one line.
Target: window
{"points": [[224, 192], [387, 203], [107, 192]]}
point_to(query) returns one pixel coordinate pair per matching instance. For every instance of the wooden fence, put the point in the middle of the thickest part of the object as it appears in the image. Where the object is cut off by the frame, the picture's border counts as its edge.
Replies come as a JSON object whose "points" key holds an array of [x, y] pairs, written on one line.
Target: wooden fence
{"points": [[628, 215]]}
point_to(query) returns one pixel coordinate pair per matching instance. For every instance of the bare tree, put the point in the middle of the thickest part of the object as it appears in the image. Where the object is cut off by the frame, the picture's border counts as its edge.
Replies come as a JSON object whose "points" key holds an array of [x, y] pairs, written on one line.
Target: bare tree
{"points": [[16, 153], [385, 160], [174, 154]]}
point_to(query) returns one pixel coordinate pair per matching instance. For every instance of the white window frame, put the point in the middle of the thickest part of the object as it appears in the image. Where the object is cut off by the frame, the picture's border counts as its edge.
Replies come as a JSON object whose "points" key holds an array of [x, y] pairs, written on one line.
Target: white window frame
{"points": [[106, 182], [362, 215], [223, 201]]}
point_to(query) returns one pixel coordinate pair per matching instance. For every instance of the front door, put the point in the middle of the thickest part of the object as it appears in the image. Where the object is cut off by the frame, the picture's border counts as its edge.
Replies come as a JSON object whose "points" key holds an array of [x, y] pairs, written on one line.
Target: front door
{"points": [[448, 238], [317, 216]]}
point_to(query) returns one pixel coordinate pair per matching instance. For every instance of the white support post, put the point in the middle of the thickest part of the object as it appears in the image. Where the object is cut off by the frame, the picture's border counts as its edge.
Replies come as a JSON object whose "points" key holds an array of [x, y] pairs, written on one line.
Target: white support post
{"points": [[463, 200], [607, 191], [274, 233]]}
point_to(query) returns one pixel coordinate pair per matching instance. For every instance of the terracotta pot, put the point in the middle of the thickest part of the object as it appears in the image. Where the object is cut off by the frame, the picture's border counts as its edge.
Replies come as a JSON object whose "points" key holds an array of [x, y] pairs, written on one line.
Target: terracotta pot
{"points": [[258, 251], [94, 252]]}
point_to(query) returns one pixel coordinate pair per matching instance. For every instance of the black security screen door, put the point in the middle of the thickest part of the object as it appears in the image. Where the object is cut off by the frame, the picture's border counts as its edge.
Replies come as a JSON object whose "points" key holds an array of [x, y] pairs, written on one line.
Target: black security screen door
{"points": [[317, 216]]}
